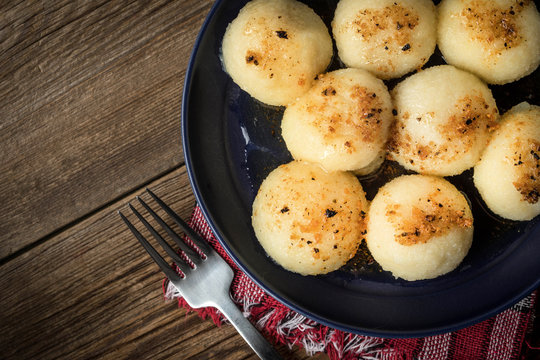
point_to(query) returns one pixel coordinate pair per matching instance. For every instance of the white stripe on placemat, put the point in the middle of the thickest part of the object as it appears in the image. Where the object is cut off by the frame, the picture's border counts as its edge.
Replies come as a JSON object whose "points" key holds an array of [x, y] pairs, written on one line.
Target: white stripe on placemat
{"points": [[247, 292], [435, 347], [200, 223], [502, 335]]}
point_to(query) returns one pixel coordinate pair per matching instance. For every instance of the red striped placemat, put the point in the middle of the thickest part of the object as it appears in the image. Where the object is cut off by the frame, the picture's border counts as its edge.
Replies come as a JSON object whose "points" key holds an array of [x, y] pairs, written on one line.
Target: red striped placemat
{"points": [[500, 337]]}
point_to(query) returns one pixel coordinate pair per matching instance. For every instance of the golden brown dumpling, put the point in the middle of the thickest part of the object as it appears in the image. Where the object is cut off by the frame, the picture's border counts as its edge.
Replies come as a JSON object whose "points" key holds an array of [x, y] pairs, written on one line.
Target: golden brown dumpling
{"points": [[444, 116], [388, 38], [508, 175], [342, 122], [419, 227], [497, 40], [274, 49], [308, 220]]}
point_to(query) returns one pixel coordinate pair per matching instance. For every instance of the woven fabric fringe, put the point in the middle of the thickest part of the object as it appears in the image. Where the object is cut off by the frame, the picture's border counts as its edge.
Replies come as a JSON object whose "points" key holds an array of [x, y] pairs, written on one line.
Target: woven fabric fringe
{"points": [[500, 337]]}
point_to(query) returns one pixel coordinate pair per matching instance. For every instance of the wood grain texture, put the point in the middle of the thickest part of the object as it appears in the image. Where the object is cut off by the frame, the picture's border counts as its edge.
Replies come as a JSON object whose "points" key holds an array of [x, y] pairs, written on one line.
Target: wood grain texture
{"points": [[52, 47], [92, 292], [100, 118]]}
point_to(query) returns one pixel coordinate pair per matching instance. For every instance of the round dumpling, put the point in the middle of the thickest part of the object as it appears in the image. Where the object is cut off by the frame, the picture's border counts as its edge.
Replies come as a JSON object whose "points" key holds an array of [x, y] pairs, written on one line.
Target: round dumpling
{"points": [[308, 220], [388, 38], [419, 227], [274, 49], [496, 40], [342, 122], [444, 116], [508, 175]]}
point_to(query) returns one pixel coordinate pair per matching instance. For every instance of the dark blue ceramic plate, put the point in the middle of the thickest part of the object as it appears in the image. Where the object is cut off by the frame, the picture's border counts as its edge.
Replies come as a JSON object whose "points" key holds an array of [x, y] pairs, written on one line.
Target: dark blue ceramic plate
{"points": [[231, 142]]}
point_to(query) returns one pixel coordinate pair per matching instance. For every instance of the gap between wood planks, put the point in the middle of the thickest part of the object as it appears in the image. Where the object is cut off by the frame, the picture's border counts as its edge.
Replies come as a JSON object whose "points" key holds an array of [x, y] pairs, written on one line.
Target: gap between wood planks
{"points": [[84, 217]]}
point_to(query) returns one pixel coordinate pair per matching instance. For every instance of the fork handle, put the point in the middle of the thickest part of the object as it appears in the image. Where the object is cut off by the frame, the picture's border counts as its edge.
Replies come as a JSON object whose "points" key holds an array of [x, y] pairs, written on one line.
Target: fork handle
{"points": [[252, 336]]}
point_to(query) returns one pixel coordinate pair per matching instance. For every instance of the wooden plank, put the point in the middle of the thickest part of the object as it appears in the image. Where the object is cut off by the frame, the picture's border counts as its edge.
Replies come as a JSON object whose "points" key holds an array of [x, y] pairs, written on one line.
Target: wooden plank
{"points": [[92, 292], [24, 23], [103, 136], [48, 49]]}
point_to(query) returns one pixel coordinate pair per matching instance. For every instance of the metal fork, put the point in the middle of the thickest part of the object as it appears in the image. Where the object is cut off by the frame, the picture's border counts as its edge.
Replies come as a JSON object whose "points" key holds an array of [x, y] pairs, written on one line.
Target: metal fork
{"points": [[206, 281]]}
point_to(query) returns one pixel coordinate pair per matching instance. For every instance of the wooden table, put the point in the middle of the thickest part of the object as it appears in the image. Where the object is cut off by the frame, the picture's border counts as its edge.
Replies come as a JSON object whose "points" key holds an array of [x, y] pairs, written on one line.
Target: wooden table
{"points": [[90, 97]]}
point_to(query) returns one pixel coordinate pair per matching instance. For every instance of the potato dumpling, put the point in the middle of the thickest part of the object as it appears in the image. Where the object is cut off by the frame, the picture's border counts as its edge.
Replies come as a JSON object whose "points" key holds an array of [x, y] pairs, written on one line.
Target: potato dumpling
{"points": [[444, 116], [342, 122], [496, 40], [274, 49], [308, 220], [508, 175], [419, 227], [388, 38]]}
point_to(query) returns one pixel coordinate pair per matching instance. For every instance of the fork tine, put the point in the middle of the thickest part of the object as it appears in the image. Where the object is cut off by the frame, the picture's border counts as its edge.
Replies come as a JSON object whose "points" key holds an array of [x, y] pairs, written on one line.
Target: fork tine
{"points": [[191, 254], [170, 273], [168, 249], [196, 238]]}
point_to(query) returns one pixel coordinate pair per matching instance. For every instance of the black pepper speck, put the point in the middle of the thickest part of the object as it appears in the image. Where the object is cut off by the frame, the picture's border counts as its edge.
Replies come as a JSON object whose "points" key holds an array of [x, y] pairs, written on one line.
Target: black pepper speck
{"points": [[330, 213], [282, 34]]}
